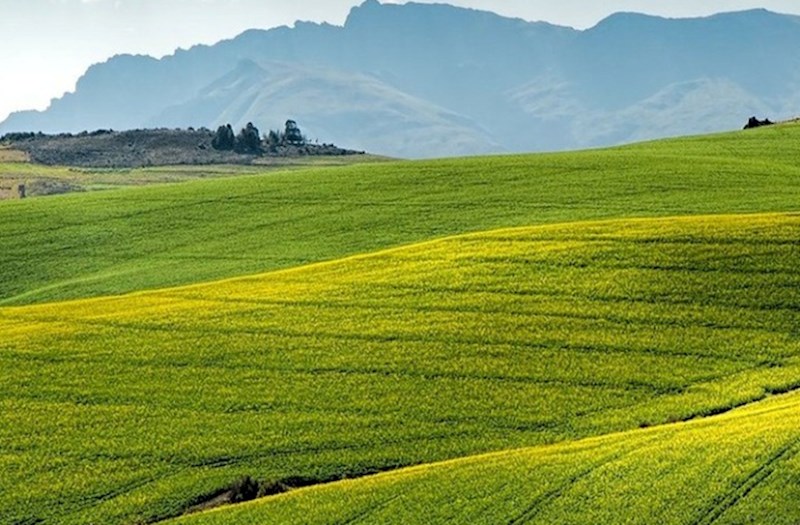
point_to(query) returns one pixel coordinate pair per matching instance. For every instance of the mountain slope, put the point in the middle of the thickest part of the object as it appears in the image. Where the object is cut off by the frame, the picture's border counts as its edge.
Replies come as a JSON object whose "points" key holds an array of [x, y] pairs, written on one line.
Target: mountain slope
{"points": [[131, 408], [362, 111], [447, 80]]}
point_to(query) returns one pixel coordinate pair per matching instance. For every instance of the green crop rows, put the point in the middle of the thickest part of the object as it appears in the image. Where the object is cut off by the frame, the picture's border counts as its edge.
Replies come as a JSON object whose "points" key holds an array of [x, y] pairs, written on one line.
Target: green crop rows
{"points": [[119, 241], [471, 317], [462, 346], [738, 468]]}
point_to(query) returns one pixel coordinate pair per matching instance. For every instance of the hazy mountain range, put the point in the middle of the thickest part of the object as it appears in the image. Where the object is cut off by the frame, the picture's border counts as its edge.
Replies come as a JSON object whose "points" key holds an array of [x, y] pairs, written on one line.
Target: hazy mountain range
{"points": [[421, 80]]}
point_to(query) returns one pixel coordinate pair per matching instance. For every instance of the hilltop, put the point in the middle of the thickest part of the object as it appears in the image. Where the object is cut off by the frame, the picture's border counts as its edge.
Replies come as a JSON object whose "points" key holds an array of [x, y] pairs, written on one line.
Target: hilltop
{"points": [[423, 80], [112, 242], [149, 147]]}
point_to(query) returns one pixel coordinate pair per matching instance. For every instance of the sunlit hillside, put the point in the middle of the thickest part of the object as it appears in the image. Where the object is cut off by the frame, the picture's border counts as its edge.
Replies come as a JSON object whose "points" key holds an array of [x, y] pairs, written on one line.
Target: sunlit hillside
{"points": [[101, 243], [133, 408]]}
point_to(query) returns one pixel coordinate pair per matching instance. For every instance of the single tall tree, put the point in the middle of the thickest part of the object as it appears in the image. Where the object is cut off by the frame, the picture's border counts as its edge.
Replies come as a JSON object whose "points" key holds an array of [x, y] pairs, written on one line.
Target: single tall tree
{"points": [[293, 135], [224, 140], [248, 140]]}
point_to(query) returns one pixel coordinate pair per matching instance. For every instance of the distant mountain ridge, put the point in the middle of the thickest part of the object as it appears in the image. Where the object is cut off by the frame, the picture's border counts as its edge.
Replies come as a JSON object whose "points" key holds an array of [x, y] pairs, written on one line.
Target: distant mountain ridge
{"points": [[426, 80]]}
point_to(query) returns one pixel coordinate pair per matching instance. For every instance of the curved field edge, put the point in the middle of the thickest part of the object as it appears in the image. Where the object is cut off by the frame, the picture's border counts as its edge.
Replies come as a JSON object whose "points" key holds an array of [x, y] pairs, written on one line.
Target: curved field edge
{"points": [[128, 408], [741, 467], [115, 242]]}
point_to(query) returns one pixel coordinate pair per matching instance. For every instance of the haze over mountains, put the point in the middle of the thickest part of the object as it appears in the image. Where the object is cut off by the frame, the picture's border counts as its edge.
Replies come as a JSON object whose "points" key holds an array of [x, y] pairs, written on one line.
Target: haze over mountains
{"points": [[422, 80]]}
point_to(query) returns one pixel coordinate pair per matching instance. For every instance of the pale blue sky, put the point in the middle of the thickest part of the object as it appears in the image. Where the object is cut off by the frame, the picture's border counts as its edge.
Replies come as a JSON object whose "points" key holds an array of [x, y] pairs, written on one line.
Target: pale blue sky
{"points": [[48, 44]]}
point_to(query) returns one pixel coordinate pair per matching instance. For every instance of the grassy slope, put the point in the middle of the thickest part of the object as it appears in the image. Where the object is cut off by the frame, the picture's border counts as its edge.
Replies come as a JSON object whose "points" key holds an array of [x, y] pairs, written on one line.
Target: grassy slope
{"points": [[46, 180], [742, 467], [116, 408], [113, 242]]}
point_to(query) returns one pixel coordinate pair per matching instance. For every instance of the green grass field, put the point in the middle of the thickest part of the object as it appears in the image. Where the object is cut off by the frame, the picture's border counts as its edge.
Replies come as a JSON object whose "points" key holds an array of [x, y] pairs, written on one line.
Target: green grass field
{"points": [[113, 242], [128, 407], [738, 468], [472, 317]]}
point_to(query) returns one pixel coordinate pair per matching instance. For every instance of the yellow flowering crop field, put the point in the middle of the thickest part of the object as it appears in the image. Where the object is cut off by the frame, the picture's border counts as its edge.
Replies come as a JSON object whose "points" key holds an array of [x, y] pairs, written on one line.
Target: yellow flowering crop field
{"points": [[741, 467], [593, 353]]}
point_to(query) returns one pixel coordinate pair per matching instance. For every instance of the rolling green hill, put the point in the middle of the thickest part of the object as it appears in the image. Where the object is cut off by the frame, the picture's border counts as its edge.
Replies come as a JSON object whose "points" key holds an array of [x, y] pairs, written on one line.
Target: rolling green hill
{"points": [[128, 409], [103, 243], [738, 468]]}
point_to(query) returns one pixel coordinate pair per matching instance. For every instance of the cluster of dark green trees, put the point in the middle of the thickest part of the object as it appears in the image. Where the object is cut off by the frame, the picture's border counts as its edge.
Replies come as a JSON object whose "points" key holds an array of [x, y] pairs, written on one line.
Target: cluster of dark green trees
{"points": [[249, 140]]}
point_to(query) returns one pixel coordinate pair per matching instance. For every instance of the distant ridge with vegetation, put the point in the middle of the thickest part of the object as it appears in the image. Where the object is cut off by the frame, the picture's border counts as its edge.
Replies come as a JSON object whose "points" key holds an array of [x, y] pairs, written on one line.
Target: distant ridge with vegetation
{"points": [[160, 147]]}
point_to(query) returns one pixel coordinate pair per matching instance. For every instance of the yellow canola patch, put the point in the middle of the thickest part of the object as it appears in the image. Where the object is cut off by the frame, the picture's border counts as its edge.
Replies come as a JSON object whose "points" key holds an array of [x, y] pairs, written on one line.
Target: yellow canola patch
{"points": [[119, 409], [538, 241], [723, 469]]}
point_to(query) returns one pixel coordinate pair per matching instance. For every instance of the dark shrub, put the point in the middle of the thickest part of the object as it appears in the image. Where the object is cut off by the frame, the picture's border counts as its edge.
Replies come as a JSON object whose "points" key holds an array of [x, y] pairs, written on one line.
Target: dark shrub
{"points": [[753, 122], [244, 489]]}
